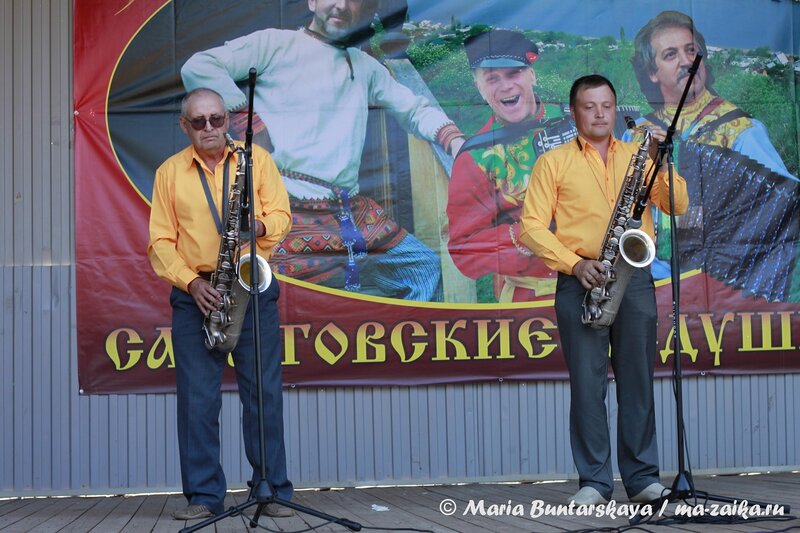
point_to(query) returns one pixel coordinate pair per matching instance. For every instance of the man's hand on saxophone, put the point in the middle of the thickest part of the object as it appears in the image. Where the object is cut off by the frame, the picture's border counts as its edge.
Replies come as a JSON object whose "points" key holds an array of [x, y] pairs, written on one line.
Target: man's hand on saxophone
{"points": [[205, 296], [659, 134], [589, 272]]}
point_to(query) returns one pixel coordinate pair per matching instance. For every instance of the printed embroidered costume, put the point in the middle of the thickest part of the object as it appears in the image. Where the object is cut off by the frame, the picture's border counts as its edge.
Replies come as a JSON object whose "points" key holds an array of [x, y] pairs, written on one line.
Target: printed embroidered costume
{"points": [[485, 198], [737, 182], [314, 97]]}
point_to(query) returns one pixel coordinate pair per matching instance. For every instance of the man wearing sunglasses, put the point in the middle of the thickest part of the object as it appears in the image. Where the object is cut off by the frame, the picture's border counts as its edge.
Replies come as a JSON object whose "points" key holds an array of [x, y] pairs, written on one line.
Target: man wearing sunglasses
{"points": [[186, 221], [313, 90]]}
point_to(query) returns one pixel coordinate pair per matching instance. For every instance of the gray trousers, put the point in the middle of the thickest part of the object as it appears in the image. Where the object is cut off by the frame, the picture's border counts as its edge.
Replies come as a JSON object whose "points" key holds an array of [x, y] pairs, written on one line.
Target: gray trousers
{"points": [[632, 338]]}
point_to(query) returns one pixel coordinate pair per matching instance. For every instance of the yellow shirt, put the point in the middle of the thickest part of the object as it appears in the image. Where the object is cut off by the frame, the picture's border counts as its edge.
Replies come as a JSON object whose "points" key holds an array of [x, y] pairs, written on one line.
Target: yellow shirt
{"points": [[574, 188], [183, 235]]}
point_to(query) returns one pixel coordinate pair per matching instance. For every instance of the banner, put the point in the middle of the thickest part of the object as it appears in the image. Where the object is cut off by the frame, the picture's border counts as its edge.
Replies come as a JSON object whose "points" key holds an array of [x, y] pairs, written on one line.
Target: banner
{"points": [[443, 290]]}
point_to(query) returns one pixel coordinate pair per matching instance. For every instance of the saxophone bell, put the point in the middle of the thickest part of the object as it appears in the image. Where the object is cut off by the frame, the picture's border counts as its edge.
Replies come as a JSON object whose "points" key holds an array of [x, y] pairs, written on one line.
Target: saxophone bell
{"points": [[224, 326], [637, 248], [245, 274]]}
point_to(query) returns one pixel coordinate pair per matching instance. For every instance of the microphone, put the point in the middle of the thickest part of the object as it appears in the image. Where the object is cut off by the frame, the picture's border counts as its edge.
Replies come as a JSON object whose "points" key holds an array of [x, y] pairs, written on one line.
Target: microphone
{"points": [[229, 141]]}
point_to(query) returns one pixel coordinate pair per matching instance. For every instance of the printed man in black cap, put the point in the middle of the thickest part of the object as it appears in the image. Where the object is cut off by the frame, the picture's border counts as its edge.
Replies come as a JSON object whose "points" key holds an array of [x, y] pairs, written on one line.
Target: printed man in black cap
{"points": [[492, 170]]}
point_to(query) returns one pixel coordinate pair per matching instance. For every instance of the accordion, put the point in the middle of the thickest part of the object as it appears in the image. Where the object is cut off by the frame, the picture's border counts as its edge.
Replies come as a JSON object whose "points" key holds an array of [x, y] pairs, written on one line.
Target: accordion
{"points": [[743, 223], [547, 134], [552, 134], [562, 130]]}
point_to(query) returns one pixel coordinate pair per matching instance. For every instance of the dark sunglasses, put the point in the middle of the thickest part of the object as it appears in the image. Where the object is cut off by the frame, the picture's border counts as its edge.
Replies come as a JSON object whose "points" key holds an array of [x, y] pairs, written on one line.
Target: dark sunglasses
{"points": [[199, 123]]}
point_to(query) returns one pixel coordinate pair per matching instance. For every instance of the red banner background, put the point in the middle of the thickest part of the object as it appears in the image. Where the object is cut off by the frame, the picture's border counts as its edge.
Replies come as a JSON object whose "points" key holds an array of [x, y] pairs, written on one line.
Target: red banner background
{"points": [[332, 337]]}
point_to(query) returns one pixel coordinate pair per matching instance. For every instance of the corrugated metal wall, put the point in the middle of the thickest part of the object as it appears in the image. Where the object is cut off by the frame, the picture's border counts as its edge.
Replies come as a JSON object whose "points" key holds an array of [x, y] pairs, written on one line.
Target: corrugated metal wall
{"points": [[55, 441]]}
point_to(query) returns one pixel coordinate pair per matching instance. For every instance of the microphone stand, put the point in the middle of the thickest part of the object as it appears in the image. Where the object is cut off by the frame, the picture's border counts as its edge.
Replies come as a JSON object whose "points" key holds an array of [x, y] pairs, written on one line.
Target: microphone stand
{"points": [[261, 492], [683, 485]]}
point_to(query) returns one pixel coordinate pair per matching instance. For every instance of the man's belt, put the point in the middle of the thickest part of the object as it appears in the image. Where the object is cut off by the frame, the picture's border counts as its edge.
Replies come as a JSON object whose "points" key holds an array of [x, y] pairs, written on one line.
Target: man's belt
{"points": [[352, 239]]}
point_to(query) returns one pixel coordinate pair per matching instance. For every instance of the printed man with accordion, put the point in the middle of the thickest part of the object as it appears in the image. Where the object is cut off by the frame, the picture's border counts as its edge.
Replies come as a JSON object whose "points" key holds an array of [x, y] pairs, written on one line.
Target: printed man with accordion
{"points": [[743, 223]]}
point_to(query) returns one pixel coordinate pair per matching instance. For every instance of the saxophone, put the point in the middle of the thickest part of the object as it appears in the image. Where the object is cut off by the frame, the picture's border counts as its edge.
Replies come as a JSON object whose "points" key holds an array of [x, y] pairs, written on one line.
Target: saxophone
{"points": [[625, 246], [233, 277]]}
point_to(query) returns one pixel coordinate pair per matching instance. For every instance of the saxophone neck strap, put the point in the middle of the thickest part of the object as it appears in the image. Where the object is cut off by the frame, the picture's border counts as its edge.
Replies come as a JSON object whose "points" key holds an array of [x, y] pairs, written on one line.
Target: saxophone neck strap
{"points": [[210, 198]]}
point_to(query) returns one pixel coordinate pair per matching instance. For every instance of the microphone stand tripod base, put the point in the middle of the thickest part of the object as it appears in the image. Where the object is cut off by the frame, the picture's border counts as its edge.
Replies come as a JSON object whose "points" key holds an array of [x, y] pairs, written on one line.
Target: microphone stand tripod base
{"points": [[682, 487], [263, 495]]}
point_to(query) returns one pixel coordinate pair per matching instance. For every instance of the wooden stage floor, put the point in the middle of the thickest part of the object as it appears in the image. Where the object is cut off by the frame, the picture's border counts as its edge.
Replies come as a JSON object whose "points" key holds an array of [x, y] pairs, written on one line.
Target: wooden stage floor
{"points": [[505, 508]]}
